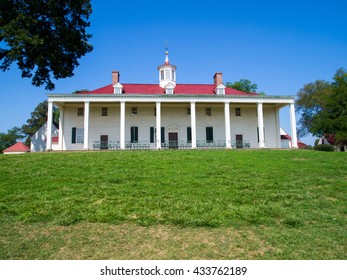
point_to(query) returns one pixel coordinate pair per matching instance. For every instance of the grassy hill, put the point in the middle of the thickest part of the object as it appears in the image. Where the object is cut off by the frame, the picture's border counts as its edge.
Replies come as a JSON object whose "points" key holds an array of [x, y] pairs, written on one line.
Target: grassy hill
{"points": [[210, 204]]}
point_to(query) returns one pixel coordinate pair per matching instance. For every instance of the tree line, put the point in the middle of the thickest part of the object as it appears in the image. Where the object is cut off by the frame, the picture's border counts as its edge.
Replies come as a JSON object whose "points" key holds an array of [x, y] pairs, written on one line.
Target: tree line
{"points": [[37, 119], [322, 107]]}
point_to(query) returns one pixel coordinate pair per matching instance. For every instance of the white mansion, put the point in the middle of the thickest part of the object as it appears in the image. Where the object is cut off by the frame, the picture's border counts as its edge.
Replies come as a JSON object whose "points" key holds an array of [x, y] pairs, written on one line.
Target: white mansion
{"points": [[167, 115]]}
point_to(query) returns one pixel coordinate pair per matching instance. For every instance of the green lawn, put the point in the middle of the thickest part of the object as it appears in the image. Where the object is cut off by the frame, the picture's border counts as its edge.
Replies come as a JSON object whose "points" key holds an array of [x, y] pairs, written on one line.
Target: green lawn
{"points": [[209, 204]]}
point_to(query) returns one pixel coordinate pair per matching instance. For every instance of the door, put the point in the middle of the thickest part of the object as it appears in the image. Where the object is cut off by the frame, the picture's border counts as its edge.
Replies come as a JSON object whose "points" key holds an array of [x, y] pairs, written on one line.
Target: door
{"points": [[239, 141], [173, 140], [104, 142]]}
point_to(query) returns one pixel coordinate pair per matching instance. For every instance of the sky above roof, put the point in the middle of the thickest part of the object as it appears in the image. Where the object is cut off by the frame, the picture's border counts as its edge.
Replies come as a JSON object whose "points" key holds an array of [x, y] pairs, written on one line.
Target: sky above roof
{"points": [[279, 45]]}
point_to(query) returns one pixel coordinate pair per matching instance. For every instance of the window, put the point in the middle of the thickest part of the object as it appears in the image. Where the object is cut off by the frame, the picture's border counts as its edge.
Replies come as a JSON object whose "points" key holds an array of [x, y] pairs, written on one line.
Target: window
{"points": [[220, 91], [104, 111], [80, 112], [167, 74], [153, 135], [189, 135], [188, 112], [162, 74], [209, 112], [238, 112], [134, 111], [169, 91], [239, 141], [134, 134], [77, 135], [118, 90], [173, 74], [209, 134]]}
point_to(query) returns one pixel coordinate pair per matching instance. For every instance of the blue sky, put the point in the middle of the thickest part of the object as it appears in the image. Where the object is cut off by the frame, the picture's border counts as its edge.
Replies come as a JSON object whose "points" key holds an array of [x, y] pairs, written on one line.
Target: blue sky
{"points": [[279, 45]]}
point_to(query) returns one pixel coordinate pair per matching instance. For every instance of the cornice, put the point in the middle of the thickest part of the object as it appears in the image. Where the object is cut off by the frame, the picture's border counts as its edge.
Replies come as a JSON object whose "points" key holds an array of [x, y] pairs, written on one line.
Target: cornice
{"points": [[168, 96]]}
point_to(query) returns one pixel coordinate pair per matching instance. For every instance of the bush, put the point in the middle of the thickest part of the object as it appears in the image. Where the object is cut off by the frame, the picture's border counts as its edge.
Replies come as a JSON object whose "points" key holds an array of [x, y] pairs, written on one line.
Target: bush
{"points": [[324, 147]]}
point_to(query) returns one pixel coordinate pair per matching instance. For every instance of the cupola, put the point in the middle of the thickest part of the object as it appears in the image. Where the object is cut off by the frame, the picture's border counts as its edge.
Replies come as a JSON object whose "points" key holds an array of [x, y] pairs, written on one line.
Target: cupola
{"points": [[167, 73]]}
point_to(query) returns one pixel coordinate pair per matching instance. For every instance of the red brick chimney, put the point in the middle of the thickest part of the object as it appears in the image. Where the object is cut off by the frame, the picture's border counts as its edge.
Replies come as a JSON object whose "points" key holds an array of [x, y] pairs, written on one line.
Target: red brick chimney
{"points": [[115, 77], [217, 78]]}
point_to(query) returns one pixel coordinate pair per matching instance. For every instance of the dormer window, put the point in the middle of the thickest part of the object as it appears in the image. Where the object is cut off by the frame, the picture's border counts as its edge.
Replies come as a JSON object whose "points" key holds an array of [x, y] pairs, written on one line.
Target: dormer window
{"points": [[118, 88], [169, 89], [220, 89]]}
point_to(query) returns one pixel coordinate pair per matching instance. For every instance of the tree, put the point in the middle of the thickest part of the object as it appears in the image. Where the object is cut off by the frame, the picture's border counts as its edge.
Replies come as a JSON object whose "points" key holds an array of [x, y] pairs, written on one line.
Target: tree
{"points": [[38, 118], [323, 108], [10, 138], [44, 37], [243, 85]]}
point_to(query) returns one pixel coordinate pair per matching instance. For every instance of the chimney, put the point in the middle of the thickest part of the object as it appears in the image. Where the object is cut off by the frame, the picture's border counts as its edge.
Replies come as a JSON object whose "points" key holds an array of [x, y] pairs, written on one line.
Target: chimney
{"points": [[115, 77], [217, 78]]}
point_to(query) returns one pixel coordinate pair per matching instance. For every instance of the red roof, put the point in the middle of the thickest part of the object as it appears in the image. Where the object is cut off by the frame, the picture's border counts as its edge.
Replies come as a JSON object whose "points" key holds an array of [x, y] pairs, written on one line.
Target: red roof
{"points": [[17, 148], [286, 136], [302, 145], [156, 89]]}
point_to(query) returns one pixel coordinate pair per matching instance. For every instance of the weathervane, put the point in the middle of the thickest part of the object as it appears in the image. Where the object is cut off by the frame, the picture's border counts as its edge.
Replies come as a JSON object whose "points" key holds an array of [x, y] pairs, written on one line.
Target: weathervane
{"points": [[166, 47], [166, 52]]}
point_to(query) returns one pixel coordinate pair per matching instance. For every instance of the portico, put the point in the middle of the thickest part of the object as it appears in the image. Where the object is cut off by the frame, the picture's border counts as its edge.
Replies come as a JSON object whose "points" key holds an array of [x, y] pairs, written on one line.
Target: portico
{"points": [[183, 116], [168, 115]]}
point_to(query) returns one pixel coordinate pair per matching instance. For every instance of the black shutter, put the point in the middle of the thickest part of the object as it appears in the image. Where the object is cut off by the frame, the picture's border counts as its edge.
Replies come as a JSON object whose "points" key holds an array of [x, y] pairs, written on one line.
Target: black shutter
{"points": [[258, 133], [189, 134], [134, 134], [162, 135], [151, 134], [209, 134], [73, 137]]}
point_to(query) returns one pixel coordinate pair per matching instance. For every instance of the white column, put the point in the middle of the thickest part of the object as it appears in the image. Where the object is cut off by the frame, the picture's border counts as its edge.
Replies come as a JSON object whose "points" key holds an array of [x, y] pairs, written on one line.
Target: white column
{"points": [[158, 124], [293, 126], [122, 126], [193, 124], [261, 125], [86, 125], [49, 126], [227, 125], [61, 128], [278, 128]]}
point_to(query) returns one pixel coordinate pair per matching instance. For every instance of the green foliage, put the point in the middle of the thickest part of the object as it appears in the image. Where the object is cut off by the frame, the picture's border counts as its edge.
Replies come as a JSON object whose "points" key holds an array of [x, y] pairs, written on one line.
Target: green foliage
{"points": [[324, 147], [38, 118], [44, 37], [323, 108], [79, 90], [243, 85], [10, 138]]}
